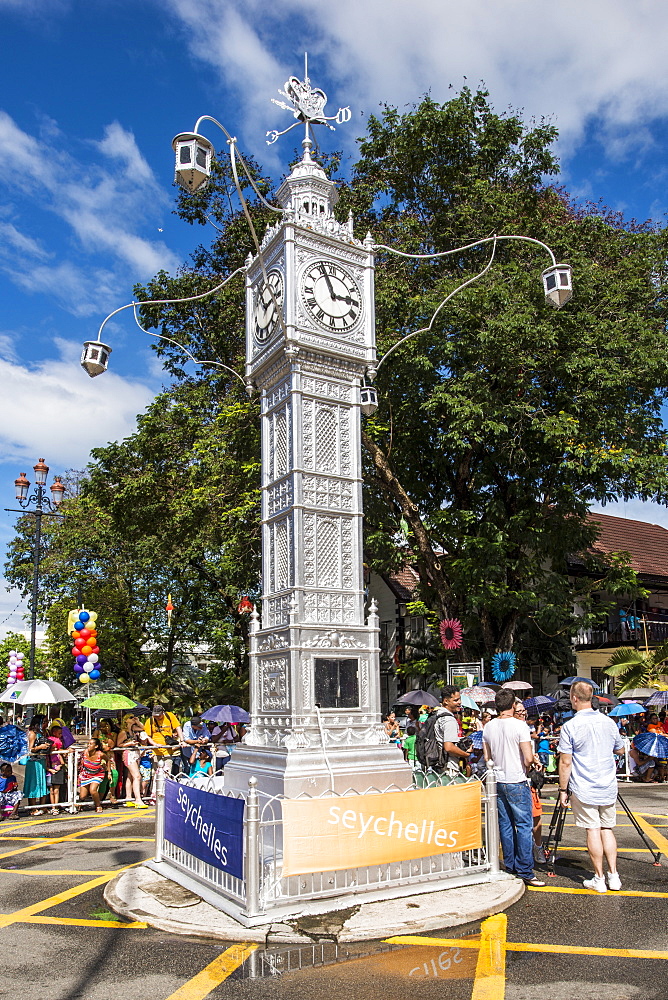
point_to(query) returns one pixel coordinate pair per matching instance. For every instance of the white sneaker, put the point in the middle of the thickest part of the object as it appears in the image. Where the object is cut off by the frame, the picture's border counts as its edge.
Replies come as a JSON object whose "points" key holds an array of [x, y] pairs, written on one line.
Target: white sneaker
{"points": [[597, 883], [614, 881]]}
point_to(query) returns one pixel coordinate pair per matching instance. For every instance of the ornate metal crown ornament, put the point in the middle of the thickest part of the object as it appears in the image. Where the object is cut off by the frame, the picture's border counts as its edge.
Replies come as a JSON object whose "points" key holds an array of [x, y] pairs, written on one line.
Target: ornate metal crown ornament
{"points": [[307, 105]]}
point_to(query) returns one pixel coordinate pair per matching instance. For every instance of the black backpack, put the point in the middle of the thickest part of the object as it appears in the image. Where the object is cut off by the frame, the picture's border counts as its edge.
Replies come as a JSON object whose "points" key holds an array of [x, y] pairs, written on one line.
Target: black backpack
{"points": [[428, 750]]}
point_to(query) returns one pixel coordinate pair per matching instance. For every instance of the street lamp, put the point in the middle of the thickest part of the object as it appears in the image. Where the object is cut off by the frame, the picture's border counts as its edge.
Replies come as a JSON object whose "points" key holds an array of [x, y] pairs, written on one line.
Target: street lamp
{"points": [[38, 506]]}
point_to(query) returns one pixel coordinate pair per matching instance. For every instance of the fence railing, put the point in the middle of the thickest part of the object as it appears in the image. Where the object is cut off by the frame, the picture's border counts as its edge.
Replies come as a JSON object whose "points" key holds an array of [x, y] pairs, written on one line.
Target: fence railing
{"points": [[266, 893]]}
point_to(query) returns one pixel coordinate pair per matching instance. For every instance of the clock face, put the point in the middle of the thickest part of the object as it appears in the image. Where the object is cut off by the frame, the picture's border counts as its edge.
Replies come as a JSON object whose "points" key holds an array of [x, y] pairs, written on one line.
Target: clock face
{"points": [[265, 313], [331, 295]]}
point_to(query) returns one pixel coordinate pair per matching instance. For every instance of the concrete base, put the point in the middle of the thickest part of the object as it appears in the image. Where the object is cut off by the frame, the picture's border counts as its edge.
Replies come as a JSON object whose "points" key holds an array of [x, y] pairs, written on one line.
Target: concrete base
{"points": [[308, 771], [142, 894]]}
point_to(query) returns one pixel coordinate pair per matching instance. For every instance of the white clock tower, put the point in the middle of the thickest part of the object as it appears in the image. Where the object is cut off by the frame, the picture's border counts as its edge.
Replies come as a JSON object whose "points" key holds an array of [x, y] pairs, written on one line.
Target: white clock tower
{"points": [[310, 339]]}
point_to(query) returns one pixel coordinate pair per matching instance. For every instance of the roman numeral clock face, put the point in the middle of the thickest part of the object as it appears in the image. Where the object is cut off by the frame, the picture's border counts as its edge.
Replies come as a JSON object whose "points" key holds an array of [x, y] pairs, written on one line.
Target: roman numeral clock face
{"points": [[331, 296], [265, 313]]}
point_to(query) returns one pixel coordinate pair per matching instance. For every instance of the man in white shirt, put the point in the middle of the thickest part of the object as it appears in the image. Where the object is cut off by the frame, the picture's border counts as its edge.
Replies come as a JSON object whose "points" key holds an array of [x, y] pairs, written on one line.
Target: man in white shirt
{"points": [[507, 743], [588, 775]]}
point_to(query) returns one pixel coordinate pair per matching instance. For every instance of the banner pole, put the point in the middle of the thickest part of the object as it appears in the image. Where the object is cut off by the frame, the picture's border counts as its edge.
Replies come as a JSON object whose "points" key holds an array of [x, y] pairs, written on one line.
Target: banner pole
{"points": [[252, 850], [491, 820], [159, 812]]}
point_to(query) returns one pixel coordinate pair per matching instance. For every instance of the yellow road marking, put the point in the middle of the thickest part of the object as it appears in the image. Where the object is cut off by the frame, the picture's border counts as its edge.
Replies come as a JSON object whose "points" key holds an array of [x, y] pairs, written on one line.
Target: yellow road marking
{"points": [[621, 850], [30, 911], [490, 972], [73, 922], [215, 973], [59, 840], [54, 871], [653, 834], [589, 892], [553, 949], [90, 840]]}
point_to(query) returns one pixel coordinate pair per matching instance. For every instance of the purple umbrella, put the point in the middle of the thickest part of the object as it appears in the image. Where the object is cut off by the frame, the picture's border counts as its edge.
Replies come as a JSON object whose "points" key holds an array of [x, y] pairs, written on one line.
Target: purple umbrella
{"points": [[541, 703], [226, 713], [417, 698], [567, 681]]}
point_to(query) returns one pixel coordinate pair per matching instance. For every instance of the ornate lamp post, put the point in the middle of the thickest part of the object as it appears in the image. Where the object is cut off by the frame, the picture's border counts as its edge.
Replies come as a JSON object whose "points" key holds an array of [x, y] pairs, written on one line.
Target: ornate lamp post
{"points": [[38, 505]]}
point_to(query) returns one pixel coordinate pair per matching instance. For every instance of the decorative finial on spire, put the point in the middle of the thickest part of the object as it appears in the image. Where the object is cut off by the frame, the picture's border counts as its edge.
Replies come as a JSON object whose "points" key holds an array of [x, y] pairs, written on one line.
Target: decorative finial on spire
{"points": [[308, 106]]}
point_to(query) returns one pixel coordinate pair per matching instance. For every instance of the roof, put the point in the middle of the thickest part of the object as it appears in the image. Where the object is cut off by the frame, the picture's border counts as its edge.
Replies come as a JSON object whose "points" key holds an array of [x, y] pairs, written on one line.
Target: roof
{"points": [[403, 583], [646, 543]]}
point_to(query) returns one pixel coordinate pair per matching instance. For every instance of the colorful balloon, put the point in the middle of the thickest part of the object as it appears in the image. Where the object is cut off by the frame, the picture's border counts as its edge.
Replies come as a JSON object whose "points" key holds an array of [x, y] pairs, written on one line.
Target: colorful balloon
{"points": [[79, 643], [92, 616], [75, 634], [84, 616], [88, 666], [94, 674], [85, 632], [96, 649], [79, 625], [81, 659], [86, 650], [92, 658], [84, 678], [78, 669]]}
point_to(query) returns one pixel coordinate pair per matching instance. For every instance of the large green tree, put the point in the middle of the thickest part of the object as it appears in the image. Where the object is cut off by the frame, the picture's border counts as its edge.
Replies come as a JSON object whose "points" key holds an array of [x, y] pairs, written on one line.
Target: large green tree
{"points": [[496, 429]]}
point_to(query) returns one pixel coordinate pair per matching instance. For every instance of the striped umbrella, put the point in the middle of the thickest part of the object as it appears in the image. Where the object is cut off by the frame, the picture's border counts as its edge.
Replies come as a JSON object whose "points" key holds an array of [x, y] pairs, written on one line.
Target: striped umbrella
{"points": [[481, 695], [658, 699], [652, 744], [541, 703]]}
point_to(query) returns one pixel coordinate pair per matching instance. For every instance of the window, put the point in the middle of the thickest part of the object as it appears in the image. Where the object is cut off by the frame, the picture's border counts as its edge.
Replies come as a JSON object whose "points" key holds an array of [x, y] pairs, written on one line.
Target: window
{"points": [[336, 683]]}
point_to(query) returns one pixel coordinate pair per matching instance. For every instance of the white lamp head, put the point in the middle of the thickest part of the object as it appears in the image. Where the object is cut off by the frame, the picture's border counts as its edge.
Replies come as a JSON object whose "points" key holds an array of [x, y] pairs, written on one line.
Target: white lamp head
{"points": [[95, 357], [193, 160], [368, 400], [558, 284]]}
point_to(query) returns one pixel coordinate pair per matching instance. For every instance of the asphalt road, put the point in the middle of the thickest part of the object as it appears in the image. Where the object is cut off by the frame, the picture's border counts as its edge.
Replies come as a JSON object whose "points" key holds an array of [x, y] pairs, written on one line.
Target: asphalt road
{"points": [[59, 940]]}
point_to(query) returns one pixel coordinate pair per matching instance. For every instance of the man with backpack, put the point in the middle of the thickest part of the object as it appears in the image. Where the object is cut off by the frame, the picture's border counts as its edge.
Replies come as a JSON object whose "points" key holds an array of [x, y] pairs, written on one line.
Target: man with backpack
{"points": [[437, 745]]}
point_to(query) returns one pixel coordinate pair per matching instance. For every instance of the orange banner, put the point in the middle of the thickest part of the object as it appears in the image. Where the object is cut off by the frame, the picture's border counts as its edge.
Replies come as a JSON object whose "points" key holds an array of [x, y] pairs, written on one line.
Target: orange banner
{"points": [[357, 830]]}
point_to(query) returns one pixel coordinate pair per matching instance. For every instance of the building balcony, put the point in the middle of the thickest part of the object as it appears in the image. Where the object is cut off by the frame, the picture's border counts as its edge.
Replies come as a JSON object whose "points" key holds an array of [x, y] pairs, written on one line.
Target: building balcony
{"points": [[621, 634]]}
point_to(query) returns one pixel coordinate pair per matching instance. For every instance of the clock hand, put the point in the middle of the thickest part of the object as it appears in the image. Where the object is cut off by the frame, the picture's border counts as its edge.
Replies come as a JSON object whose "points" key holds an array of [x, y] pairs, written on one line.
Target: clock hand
{"points": [[328, 282]]}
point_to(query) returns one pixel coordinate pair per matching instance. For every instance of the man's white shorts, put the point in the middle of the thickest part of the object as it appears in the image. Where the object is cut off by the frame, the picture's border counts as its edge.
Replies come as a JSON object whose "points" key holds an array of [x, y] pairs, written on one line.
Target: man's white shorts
{"points": [[593, 817]]}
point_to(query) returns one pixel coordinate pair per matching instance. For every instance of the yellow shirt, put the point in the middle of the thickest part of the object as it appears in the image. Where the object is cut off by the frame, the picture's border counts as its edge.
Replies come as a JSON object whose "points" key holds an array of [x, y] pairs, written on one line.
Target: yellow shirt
{"points": [[167, 726]]}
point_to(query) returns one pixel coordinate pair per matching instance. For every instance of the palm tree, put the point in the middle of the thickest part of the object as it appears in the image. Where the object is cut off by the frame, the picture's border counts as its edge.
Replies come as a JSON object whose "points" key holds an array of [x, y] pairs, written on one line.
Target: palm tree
{"points": [[634, 669]]}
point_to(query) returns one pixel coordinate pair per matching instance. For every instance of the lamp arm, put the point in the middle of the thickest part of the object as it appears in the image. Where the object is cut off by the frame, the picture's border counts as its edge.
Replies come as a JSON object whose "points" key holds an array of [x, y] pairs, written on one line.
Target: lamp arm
{"points": [[454, 292], [468, 246], [161, 302], [232, 144], [185, 350]]}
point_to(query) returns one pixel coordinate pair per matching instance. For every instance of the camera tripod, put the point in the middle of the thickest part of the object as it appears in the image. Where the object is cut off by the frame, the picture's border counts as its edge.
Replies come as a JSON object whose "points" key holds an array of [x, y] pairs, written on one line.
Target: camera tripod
{"points": [[557, 828]]}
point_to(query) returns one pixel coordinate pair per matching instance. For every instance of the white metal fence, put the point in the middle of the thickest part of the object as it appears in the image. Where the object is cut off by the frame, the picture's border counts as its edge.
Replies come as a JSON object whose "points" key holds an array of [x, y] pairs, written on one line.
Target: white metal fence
{"points": [[266, 894]]}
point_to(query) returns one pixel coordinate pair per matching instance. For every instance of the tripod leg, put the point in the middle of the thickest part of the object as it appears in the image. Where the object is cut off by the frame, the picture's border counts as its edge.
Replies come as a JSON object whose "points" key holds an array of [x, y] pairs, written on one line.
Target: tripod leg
{"points": [[556, 826], [653, 851]]}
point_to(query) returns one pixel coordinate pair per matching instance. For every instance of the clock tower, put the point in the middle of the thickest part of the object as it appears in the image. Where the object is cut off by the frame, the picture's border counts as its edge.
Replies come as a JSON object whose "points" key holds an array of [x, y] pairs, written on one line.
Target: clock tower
{"points": [[310, 341]]}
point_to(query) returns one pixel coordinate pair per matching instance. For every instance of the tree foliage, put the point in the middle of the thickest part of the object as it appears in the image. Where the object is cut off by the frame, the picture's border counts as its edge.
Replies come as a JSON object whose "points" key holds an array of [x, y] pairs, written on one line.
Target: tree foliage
{"points": [[497, 428]]}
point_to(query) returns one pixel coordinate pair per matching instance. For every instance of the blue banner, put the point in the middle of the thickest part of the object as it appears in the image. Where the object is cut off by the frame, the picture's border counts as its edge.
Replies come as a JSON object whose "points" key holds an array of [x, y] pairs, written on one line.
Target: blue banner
{"points": [[207, 825]]}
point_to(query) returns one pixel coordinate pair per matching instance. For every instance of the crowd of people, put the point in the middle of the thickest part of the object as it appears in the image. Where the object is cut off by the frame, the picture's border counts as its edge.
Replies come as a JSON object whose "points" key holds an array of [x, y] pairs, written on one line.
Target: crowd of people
{"points": [[582, 753], [117, 762]]}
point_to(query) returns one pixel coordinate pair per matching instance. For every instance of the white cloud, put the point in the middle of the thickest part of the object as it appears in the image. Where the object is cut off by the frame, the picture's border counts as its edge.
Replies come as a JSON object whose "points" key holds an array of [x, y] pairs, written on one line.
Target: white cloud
{"points": [[603, 59], [65, 410], [120, 144], [103, 205]]}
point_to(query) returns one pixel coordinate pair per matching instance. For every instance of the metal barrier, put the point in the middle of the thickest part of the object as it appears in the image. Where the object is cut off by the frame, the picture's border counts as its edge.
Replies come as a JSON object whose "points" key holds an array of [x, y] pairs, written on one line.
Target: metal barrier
{"points": [[265, 894]]}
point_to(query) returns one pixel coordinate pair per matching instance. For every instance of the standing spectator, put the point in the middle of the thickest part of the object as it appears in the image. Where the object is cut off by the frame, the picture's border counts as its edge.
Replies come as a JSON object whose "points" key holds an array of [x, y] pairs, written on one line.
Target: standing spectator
{"points": [[448, 732], [391, 727], [507, 743], [93, 770], [195, 735], [34, 781], [107, 733], [56, 768], [165, 731], [133, 741], [588, 774]]}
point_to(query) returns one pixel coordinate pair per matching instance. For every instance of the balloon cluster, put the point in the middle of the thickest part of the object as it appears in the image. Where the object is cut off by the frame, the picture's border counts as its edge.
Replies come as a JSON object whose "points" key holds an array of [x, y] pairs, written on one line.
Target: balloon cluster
{"points": [[15, 667], [85, 649]]}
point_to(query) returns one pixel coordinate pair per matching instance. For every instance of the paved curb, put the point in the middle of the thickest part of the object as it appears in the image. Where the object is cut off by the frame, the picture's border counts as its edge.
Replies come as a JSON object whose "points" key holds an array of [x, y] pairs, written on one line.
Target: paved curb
{"points": [[143, 894]]}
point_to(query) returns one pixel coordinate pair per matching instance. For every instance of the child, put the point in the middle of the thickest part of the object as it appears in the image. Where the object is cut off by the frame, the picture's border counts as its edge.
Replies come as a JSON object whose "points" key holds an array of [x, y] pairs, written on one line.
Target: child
{"points": [[409, 747], [200, 765], [10, 796], [55, 768]]}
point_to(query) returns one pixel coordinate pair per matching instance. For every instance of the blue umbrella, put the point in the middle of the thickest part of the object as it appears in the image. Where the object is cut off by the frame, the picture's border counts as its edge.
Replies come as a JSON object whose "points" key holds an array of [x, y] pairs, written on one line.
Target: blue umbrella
{"points": [[625, 710], [476, 740], [13, 744], [571, 680], [468, 702], [652, 744], [226, 713], [540, 703]]}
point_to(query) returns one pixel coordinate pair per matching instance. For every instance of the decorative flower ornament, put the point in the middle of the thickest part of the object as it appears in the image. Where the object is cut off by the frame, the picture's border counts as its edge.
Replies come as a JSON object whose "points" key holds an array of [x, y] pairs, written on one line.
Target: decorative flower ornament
{"points": [[503, 666], [451, 633]]}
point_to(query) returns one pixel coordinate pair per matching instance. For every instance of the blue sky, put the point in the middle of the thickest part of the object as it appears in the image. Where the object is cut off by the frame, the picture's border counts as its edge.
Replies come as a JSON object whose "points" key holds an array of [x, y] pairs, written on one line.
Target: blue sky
{"points": [[91, 94]]}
